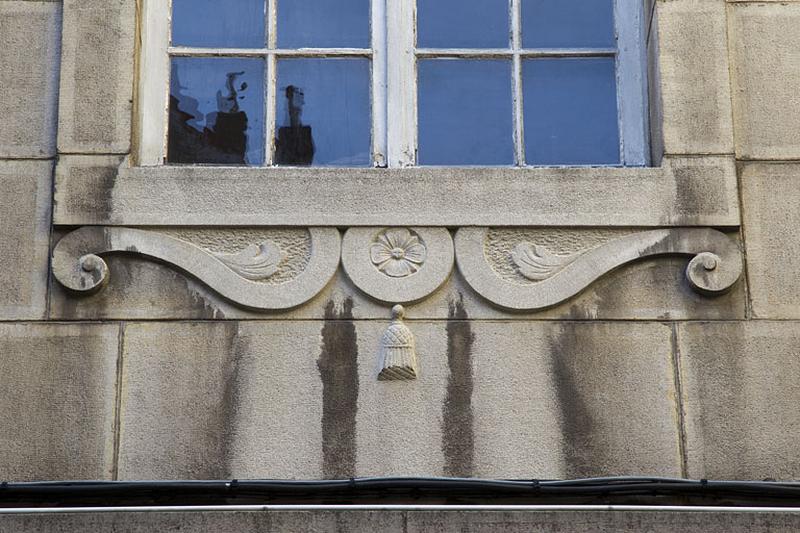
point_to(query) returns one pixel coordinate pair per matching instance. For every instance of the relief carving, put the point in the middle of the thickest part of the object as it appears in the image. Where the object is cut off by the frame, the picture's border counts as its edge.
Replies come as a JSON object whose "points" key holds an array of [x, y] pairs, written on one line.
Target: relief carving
{"points": [[398, 252], [245, 277], [715, 266], [398, 265], [397, 356]]}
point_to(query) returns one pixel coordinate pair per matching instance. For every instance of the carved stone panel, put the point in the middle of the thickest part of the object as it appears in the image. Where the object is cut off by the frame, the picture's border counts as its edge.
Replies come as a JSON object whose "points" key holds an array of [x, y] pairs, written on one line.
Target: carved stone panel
{"points": [[398, 265]]}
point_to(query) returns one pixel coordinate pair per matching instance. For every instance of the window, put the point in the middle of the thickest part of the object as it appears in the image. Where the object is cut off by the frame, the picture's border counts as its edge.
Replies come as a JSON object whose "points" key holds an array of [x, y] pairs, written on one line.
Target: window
{"points": [[358, 83]]}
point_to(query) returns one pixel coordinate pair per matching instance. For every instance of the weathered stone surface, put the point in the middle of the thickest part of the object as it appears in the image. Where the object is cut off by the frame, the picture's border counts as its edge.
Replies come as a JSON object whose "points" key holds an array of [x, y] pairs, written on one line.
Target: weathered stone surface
{"points": [[573, 400], [407, 521], [395, 521], [220, 400], [771, 200], [527, 273], [242, 273], [741, 382], [208, 522], [24, 238], [765, 38], [628, 521], [57, 401], [97, 76], [197, 196], [398, 265], [694, 80], [98, 175], [301, 399], [30, 41], [654, 289]]}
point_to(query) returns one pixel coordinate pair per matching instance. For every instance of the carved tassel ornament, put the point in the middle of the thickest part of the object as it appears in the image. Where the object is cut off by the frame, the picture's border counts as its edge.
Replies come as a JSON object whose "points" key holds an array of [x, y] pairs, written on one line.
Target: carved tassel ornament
{"points": [[398, 357]]}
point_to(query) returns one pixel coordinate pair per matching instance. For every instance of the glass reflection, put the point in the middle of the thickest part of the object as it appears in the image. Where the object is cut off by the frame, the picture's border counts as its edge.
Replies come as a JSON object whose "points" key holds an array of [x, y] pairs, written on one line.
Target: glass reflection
{"points": [[216, 111], [324, 23], [219, 23], [570, 111], [462, 23], [465, 112], [568, 24], [325, 110]]}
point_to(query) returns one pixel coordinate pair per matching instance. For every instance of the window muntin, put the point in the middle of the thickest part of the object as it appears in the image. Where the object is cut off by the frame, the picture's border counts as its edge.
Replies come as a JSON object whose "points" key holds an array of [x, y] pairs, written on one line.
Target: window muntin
{"points": [[399, 68]]}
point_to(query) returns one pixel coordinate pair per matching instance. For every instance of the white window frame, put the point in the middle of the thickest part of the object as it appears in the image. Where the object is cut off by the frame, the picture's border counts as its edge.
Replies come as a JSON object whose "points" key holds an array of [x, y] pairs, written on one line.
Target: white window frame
{"points": [[394, 56]]}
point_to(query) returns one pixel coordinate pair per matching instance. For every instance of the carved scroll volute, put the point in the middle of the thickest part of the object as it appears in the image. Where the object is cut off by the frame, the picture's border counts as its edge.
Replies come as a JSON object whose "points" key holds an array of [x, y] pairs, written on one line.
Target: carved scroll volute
{"points": [[78, 265], [716, 265]]}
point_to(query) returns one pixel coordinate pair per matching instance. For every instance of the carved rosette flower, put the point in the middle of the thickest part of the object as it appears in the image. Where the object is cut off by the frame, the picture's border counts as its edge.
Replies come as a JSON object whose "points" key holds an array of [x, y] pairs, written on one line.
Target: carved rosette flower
{"points": [[398, 252]]}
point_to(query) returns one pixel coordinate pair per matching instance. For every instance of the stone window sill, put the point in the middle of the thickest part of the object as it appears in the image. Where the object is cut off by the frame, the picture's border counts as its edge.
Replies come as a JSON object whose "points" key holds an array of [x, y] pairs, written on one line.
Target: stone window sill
{"points": [[683, 191]]}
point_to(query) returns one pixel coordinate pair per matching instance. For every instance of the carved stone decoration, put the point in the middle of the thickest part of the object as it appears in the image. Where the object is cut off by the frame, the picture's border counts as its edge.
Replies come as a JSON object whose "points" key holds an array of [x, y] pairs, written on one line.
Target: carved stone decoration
{"points": [[537, 262], [257, 262], [714, 269], [397, 356], [398, 265], [397, 252], [239, 277]]}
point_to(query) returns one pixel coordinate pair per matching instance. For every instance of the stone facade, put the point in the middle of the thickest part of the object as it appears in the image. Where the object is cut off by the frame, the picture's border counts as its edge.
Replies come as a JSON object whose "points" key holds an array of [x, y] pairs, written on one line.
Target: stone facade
{"points": [[196, 323]]}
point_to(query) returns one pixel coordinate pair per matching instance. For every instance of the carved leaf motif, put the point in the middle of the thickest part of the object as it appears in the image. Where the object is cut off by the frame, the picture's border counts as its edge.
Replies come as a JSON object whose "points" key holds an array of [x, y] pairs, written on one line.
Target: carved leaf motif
{"points": [[257, 262], [537, 262]]}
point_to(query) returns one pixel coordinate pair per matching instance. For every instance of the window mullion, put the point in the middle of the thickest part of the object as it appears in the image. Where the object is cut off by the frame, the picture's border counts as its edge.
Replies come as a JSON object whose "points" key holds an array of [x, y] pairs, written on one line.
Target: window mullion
{"points": [[379, 110], [270, 84], [154, 87], [516, 45], [631, 84], [401, 95]]}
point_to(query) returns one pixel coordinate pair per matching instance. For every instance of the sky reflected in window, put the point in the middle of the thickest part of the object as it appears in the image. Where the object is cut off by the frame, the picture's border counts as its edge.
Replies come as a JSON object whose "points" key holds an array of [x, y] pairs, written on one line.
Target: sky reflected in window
{"points": [[324, 23], [465, 114], [219, 23], [570, 110], [462, 23], [568, 23]]}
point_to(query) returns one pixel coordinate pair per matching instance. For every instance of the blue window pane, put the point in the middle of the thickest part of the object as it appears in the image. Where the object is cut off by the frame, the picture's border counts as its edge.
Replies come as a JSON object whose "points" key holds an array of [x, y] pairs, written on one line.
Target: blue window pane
{"points": [[323, 111], [216, 111], [323, 23], [568, 23], [462, 23], [570, 111], [219, 23], [465, 115]]}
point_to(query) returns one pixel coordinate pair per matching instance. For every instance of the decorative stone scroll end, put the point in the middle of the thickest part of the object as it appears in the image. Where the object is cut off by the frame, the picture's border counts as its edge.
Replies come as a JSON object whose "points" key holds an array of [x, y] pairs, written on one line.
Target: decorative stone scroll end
{"points": [[398, 357]]}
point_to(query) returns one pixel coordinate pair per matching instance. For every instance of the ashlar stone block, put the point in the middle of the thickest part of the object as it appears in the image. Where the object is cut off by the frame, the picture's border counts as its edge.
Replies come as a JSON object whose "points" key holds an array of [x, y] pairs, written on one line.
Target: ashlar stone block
{"points": [[25, 194], [57, 398], [693, 77], [221, 400], [741, 381], [97, 76], [765, 38], [30, 42], [301, 399], [771, 216]]}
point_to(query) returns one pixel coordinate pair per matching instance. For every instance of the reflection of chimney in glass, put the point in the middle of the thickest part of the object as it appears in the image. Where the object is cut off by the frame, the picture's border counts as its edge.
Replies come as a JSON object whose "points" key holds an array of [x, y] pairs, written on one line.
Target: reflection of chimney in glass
{"points": [[223, 139], [295, 143]]}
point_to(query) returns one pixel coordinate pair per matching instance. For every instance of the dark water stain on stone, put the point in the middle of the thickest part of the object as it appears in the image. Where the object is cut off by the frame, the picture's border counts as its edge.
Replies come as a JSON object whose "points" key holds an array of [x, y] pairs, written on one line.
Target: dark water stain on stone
{"points": [[570, 349], [458, 440], [338, 369], [238, 349]]}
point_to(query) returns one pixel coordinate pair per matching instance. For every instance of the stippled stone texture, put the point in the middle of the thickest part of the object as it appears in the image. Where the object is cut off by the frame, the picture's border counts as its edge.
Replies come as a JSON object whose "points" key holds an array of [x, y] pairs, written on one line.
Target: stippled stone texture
{"points": [[764, 40], [301, 399], [24, 238], [57, 392], [693, 78], [97, 76], [741, 381], [396, 521], [30, 41], [771, 200]]}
